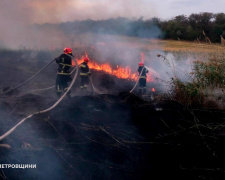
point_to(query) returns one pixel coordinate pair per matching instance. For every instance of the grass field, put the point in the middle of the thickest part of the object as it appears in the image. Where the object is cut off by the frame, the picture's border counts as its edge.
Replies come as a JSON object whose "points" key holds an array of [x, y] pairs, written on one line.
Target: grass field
{"points": [[152, 44]]}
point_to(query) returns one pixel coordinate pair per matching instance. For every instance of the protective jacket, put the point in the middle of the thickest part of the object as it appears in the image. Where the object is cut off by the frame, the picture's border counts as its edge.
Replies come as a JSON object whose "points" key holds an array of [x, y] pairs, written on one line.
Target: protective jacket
{"points": [[144, 72], [142, 80], [84, 73], [65, 63], [63, 74], [84, 69]]}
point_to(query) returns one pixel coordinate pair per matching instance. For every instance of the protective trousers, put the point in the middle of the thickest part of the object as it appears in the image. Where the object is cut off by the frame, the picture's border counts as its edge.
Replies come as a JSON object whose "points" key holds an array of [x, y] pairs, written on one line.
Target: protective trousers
{"points": [[142, 86], [62, 84], [84, 81]]}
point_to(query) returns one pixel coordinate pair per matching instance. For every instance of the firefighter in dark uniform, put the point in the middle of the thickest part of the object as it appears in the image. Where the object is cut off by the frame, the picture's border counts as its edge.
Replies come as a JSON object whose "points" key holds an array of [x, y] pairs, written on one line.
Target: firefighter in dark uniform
{"points": [[142, 80], [84, 73], [63, 73]]}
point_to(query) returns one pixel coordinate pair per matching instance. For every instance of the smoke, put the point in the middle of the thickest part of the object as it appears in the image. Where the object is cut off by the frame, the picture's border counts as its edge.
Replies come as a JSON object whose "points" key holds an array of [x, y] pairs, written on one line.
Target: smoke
{"points": [[168, 66], [16, 19], [21, 19], [55, 11], [18, 16]]}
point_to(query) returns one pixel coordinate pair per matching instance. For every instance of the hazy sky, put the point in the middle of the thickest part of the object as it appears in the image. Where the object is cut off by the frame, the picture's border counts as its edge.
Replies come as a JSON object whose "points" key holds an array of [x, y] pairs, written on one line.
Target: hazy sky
{"points": [[52, 11], [170, 8], [17, 15]]}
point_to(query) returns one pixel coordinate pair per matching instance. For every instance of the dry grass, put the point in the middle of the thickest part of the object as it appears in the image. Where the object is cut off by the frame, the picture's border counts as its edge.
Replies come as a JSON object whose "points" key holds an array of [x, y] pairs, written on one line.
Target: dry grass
{"points": [[150, 44], [207, 85], [156, 44]]}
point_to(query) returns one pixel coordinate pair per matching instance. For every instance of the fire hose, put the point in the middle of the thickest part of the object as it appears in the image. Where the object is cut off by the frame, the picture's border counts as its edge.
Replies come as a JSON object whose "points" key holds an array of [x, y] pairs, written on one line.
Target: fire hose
{"points": [[27, 79], [46, 110], [137, 81], [93, 87], [90, 78], [35, 90], [32, 78]]}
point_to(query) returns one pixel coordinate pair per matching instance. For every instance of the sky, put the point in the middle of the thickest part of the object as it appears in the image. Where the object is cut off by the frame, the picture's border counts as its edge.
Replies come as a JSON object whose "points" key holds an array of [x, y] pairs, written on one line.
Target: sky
{"points": [[54, 11], [16, 16], [167, 9]]}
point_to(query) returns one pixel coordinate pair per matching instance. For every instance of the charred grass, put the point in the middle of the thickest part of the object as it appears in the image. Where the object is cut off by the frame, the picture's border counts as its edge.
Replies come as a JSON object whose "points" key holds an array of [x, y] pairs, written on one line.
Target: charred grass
{"points": [[108, 136], [117, 136]]}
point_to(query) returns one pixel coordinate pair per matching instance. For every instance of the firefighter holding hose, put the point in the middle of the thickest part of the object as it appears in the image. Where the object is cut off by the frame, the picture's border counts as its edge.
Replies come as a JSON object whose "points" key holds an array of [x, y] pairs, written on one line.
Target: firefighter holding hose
{"points": [[65, 63], [142, 78], [84, 74]]}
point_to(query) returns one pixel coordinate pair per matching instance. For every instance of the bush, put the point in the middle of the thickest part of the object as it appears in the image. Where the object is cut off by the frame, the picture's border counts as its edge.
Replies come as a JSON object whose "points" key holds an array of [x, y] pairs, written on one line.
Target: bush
{"points": [[212, 72], [207, 86], [189, 94]]}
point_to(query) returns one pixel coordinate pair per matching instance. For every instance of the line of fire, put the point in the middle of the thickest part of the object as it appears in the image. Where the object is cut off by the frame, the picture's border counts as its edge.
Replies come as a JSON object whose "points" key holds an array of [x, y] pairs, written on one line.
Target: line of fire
{"points": [[119, 72]]}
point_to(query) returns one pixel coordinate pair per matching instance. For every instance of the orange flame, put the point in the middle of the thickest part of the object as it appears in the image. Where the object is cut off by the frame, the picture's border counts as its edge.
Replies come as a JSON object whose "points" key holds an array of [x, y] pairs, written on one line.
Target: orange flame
{"points": [[153, 89], [119, 72]]}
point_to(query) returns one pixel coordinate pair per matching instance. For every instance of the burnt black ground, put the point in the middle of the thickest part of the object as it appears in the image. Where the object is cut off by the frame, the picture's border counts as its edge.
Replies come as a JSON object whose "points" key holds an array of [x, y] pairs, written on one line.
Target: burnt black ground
{"points": [[112, 137], [117, 136]]}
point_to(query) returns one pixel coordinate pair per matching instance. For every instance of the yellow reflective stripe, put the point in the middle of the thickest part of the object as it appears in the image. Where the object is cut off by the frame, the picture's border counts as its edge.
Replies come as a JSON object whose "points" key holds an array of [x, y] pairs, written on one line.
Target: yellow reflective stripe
{"points": [[84, 74], [63, 73], [85, 85], [84, 66], [58, 89], [81, 87], [65, 64], [143, 77]]}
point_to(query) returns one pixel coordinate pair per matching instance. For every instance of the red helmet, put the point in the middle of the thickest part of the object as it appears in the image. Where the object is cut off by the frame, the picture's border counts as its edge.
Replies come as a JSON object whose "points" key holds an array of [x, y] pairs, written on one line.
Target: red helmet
{"points": [[67, 50], [86, 60], [141, 64]]}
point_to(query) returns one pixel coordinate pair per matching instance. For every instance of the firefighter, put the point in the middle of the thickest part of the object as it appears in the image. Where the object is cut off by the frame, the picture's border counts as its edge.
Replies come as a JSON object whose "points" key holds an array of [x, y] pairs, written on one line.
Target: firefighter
{"points": [[142, 80], [84, 73], [63, 74]]}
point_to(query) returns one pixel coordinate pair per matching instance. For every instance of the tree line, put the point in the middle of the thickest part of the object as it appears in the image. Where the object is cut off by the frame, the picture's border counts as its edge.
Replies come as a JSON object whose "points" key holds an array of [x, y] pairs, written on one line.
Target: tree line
{"points": [[195, 26], [192, 27]]}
